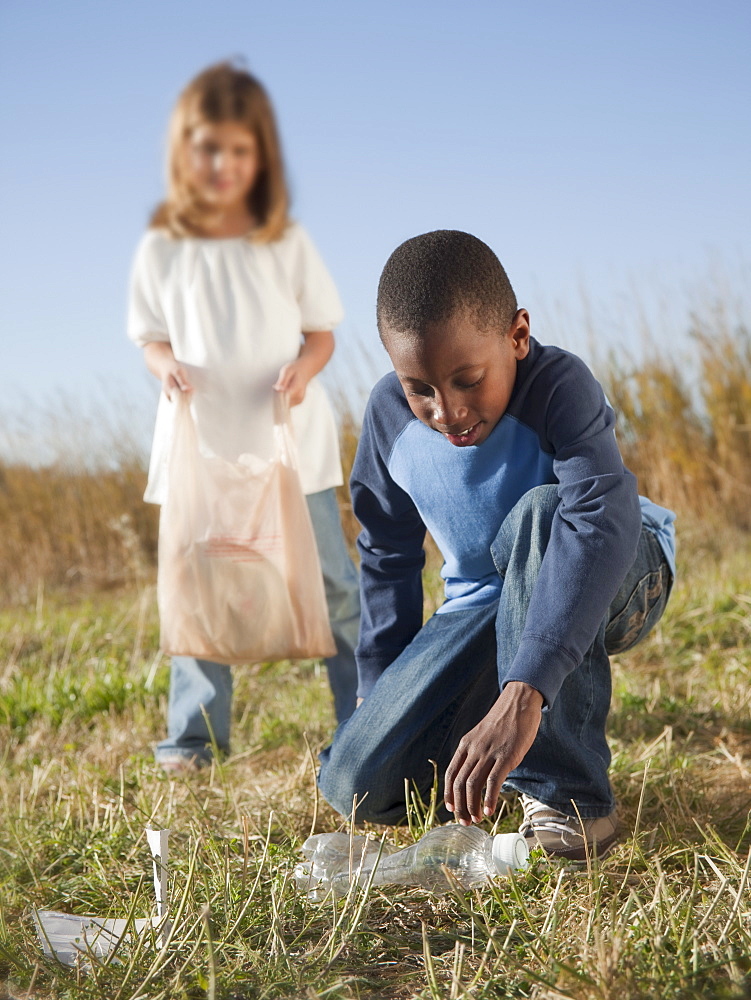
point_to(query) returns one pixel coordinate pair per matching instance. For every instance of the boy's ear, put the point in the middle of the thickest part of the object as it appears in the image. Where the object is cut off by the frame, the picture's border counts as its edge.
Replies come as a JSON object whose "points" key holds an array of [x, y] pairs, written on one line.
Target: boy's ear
{"points": [[519, 333]]}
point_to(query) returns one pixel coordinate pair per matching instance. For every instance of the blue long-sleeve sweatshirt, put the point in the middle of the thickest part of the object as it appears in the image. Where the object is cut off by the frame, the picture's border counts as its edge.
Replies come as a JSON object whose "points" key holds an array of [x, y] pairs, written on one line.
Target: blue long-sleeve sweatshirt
{"points": [[558, 428]]}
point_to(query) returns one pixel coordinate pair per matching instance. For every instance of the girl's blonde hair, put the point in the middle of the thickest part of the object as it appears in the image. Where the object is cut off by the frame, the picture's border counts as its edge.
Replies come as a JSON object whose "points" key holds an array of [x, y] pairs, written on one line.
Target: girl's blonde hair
{"points": [[224, 93]]}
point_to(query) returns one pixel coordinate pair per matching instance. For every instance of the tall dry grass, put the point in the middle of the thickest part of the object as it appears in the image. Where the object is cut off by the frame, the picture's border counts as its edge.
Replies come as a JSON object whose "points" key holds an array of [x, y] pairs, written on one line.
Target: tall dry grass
{"points": [[71, 528], [72, 476], [77, 518], [684, 424]]}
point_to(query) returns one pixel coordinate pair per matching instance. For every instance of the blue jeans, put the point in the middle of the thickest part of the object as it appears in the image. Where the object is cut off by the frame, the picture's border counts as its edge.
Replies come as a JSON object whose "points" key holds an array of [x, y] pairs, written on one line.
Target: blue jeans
{"points": [[202, 684], [445, 681]]}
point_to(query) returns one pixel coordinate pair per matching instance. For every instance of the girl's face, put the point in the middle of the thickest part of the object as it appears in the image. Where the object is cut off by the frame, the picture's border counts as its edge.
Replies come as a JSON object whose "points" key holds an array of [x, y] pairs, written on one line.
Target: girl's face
{"points": [[223, 161]]}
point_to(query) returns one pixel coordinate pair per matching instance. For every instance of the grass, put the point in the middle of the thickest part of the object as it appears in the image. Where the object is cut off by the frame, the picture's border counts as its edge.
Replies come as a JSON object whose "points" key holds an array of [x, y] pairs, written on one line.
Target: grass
{"points": [[83, 693], [82, 697]]}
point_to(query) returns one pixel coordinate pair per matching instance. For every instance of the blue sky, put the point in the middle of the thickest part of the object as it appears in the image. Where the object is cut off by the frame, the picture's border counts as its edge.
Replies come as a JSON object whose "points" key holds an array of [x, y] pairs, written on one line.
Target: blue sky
{"points": [[596, 146]]}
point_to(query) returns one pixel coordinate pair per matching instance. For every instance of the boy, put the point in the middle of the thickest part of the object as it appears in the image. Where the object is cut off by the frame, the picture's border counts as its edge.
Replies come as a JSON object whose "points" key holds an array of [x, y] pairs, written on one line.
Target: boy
{"points": [[505, 451]]}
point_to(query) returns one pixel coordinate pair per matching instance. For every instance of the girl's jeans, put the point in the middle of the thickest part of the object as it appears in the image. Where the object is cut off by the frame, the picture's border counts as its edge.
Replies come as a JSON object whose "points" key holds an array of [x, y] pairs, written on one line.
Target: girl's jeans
{"points": [[445, 681], [201, 685]]}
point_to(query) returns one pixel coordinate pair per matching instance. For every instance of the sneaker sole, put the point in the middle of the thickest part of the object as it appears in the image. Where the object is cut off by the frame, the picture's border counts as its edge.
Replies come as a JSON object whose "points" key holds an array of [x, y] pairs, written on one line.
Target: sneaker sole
{"points": [[599, 850], [179, 766]]}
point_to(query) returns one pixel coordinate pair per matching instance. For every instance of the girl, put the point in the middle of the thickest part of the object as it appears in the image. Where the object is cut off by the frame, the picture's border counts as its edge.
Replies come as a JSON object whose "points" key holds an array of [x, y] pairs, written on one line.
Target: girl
{"points": [[231, 301]]}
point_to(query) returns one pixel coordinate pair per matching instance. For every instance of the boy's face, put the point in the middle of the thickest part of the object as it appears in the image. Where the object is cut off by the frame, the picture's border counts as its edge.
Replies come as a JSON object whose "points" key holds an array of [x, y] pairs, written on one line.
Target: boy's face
{"points": [[457, 378]]}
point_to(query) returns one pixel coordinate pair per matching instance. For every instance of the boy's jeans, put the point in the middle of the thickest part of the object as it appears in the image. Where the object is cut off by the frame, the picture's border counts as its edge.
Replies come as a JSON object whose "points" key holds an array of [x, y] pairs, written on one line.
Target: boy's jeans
{"points": [[202, 683], [445, 681]]}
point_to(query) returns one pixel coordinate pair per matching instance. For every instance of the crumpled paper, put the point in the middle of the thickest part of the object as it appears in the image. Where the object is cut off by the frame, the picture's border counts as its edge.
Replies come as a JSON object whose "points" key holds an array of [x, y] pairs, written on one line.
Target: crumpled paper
{"points": [[72, 939]]}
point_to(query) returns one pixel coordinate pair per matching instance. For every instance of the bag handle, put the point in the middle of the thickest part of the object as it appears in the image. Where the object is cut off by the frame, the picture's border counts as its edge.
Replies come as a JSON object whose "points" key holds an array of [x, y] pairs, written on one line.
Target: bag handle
{"points": [[283, 434], [284, 437], [184, 418]]}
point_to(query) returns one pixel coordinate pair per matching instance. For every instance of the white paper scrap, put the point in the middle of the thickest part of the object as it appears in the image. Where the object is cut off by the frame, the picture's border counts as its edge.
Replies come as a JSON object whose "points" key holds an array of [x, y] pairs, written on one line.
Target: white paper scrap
{"points": [[69, 938], [159, 844]]}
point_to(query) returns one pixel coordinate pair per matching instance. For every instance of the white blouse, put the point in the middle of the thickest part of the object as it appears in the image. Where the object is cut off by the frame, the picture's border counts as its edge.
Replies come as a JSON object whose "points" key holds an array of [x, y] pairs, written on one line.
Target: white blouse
{"points": [[234, 312]]}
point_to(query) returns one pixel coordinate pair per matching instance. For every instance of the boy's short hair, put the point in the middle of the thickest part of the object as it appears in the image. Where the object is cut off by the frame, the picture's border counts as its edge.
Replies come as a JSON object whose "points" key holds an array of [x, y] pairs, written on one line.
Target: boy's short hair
{"points": [[431, 277]]}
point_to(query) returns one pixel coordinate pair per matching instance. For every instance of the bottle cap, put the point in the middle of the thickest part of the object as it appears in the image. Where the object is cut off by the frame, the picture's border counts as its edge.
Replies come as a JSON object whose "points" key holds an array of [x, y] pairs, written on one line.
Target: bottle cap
{"points": [[510, 850]]}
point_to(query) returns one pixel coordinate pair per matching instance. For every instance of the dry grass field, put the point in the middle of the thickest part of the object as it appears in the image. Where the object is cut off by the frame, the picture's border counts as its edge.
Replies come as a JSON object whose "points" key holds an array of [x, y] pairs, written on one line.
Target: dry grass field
{"points": [[82, 698]]}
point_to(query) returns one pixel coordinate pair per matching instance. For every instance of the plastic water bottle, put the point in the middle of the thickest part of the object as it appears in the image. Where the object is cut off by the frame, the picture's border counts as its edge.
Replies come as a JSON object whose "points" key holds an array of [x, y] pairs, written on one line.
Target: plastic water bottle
{"points": [[336, 860]]}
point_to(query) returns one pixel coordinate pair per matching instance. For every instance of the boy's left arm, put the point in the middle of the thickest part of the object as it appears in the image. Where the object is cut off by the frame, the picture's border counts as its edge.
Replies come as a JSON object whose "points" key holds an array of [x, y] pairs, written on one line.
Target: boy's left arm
{"points": [[593, 540]]}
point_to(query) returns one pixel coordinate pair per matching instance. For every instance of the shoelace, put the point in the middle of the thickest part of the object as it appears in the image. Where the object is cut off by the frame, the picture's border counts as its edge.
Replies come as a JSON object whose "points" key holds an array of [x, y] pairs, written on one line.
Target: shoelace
{"points": [[552, 820]]}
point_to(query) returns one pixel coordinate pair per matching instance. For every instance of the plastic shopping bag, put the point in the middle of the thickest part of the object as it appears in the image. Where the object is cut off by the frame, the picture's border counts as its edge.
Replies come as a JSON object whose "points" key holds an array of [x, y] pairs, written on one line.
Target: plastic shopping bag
{"points": [[239, 578]]}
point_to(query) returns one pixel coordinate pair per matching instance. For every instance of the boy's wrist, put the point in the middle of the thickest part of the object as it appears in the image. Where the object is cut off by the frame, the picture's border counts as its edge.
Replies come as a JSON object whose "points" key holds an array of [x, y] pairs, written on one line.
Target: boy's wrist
{"points": [[525, 694]]}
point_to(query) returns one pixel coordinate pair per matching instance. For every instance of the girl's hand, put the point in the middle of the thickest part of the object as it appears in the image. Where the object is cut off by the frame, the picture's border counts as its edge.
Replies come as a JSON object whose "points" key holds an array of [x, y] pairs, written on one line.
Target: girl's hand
{"points": [[161, 362], [293, 379], [316, 350], [174, 380]]}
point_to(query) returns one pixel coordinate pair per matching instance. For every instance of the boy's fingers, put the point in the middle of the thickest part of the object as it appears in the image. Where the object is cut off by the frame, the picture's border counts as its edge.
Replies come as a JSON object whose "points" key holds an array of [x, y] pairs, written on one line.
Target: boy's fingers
{"points": [[448, 782], [466, 791], [480, 779], [461, 815], [461, 787], [473, 790], [493, 788]]}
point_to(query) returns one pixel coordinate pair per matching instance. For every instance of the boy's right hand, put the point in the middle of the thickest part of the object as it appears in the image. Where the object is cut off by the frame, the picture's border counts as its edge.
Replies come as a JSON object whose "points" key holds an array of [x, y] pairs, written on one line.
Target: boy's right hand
{"points": [[487, 753]]}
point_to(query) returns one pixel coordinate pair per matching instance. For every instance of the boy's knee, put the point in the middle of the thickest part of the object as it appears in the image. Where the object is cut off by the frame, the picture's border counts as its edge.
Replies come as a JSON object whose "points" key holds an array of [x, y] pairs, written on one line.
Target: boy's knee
{"points": [[348, 784], [537, 505], [531, 518]]}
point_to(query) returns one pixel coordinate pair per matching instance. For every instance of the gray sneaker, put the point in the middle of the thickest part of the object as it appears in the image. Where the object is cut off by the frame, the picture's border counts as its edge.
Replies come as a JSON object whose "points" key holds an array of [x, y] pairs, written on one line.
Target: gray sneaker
{"points": [[561, 836], [180, 763]]}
